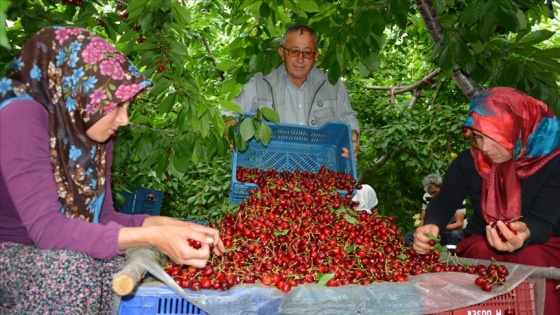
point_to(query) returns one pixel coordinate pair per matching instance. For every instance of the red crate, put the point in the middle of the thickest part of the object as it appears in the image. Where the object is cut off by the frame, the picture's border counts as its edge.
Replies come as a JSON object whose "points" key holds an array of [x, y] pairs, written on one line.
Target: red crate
{"points": [[521, 299]]}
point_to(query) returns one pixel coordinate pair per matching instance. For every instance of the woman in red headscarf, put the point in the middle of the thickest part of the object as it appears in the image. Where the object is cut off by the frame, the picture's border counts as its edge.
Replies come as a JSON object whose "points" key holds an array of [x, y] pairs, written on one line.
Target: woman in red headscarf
{"points": [[512, 177], [61, 240]]}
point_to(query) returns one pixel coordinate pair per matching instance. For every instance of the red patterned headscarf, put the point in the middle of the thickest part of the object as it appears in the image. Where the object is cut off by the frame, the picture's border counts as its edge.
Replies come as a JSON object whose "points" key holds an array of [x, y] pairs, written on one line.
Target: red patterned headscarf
{"points": [[79, 78], [524, 126]]}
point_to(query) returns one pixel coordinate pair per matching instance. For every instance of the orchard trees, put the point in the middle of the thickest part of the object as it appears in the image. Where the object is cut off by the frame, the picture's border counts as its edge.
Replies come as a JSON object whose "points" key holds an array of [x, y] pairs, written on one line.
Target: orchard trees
{"points": [[199, 53]]}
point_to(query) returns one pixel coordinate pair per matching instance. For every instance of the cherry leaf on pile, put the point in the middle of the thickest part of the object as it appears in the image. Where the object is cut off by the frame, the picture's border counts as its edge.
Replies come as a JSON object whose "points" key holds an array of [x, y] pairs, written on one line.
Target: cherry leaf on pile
{"points": [[324, 277], [284, 232], [350, 219]]}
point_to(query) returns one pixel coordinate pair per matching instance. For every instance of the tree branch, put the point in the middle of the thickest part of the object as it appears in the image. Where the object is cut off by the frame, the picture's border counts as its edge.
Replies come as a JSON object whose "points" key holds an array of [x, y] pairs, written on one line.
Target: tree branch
{"points": [[211, 57], [426, 9], [427, 80]]}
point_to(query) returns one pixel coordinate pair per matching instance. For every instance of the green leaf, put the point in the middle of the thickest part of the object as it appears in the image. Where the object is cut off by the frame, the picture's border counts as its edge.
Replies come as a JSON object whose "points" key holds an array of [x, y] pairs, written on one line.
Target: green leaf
{"points": [[162, 165], [487, 26], [143, 147], [432, 237], [181, 13], [145, 46], [283, 232], [247, 129], [549, 64], [181, 160], [334, 72], [439, 6], [226, 65], [372, 62], [350, 219], [265, 133], [270, 115], [198, 153], [179, 48], [135, 7], [535, 37], [471, 13], [513, 72], [155, 156], [323, 278], [308, 5], [511, 18], [231, 106], [400, 10], [446, 58], [167, 104], [470, 65], [553, 52], [264, 10], [461, 53]]}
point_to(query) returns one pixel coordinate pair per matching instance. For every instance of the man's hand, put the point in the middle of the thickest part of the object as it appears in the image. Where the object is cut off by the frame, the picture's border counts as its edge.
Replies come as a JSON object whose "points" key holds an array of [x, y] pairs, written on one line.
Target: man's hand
{"points": [[229, 123], [356, 145]]}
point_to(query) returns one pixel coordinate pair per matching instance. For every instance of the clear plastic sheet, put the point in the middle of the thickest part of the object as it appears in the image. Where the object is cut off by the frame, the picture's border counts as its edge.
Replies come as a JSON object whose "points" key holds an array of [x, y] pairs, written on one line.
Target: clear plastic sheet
{"points": [[422, 294]]}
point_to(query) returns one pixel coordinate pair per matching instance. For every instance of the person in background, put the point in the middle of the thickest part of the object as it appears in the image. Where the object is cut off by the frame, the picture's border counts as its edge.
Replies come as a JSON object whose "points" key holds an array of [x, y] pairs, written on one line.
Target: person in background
{"points": [[300, 93], [512, 176], [453, 232], [61, 240]]}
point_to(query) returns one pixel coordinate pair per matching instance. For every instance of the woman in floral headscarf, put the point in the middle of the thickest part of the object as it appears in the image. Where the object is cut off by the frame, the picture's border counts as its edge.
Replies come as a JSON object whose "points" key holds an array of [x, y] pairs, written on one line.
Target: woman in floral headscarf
{"points": [[512, 176], [61, 240]]}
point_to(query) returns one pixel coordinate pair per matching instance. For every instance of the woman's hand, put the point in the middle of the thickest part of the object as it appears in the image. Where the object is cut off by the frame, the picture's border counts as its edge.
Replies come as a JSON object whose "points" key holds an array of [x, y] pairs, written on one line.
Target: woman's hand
{"points": [[422, 242], [212, 235], [171, 237], [515, 235], [172, 241], [218, 245]]}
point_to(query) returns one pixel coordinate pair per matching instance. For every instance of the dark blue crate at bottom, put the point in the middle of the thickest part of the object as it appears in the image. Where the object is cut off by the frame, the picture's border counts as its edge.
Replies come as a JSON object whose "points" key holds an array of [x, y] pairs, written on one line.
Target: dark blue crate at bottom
{"points": [[295, 147], [143, 201], [156, 300]]}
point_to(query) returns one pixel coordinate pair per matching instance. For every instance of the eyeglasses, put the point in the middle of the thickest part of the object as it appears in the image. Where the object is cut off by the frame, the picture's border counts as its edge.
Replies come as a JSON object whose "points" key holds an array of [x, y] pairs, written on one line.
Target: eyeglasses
{"points": [[294, 52]]}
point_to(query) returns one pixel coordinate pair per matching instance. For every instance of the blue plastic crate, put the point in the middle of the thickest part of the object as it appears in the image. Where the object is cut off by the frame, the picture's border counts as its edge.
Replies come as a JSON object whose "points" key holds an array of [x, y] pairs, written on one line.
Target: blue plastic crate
{"points": [[295, 147], [143, 201], [156, 300]]}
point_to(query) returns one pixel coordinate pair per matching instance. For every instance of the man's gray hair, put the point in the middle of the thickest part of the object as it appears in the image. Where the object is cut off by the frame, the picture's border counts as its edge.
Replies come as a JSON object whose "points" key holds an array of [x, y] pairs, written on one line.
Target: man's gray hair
{"points": [[431, 180], [302, 29]]}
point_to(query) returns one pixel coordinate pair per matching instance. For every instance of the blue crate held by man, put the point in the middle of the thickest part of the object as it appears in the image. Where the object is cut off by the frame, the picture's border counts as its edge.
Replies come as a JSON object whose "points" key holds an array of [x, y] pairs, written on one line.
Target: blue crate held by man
{"points": [[295, 147], [143, 201]]}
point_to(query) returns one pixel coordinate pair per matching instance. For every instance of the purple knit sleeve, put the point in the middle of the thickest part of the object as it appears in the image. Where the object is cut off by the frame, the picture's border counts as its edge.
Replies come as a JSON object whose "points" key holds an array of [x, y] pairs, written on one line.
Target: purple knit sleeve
{"points": [[32, 199]]}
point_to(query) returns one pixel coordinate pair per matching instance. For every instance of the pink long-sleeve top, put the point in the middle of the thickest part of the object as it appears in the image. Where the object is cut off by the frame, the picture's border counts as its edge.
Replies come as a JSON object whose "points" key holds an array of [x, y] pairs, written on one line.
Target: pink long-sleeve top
{"points": [[29, 206]]}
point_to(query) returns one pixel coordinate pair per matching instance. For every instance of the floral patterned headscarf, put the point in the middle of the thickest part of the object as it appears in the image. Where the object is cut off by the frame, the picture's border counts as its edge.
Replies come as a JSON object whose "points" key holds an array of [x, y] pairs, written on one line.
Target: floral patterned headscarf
{"points": [[79, 78], [524, 126]]}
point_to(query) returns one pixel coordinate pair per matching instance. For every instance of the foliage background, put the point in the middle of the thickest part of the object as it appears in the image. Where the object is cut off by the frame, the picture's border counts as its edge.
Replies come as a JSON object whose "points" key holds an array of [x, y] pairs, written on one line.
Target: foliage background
{"points": [[199, 53]]}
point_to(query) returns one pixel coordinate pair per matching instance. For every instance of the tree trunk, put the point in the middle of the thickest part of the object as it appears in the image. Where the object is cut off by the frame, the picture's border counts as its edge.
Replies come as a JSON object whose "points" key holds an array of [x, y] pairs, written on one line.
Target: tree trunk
{"points": [[426, 9]]}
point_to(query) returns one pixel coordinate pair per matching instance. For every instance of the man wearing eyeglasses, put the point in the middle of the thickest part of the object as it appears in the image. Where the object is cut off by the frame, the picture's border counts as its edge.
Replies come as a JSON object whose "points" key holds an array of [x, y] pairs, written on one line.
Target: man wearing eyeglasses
{"points": [[300, 93]]}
